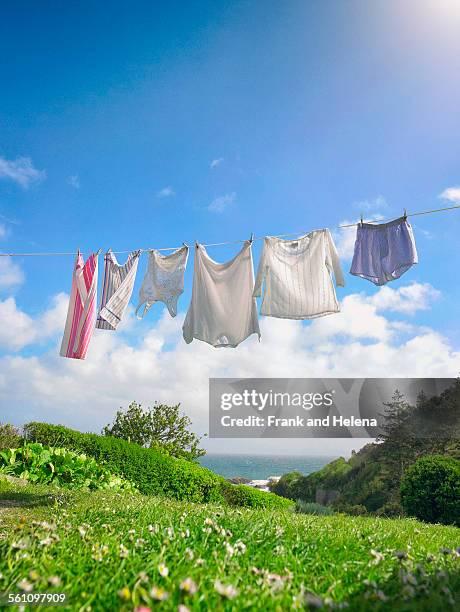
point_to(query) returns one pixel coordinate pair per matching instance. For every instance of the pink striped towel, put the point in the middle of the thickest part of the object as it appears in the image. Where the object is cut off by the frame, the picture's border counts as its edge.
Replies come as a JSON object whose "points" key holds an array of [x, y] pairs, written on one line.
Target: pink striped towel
{"points": [[81, 315]]}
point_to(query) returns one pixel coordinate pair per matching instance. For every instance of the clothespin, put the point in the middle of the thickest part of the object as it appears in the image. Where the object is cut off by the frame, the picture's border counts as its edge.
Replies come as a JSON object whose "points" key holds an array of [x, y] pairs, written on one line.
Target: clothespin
{"points": [[99, 252], [405, 213], [251, 239], [362, 220], [185, 244]]}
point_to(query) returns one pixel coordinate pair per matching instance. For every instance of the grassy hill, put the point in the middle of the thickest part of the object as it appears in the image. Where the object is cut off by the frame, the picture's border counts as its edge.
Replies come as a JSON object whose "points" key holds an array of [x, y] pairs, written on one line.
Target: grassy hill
{"points": [[112, 551]]}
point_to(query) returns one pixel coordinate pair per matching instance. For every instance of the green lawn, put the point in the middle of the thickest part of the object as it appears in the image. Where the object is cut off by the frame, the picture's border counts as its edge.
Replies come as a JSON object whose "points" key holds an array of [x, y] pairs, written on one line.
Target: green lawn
{"points": [[110, 551]]}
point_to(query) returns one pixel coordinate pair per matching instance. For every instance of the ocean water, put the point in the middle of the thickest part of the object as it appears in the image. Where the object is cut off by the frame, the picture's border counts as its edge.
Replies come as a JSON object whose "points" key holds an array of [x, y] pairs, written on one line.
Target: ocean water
{"points": [[260, 467]]}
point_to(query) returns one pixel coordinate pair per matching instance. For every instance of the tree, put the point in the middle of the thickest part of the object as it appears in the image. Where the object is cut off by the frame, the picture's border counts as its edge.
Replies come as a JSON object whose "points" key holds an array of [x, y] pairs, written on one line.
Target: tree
{"points": [[161, 427], [397, 436]]}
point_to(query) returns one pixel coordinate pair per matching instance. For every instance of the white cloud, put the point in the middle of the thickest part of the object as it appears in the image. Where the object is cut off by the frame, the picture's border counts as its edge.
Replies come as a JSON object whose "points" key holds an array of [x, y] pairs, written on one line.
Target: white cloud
{"points": [[3, 231], [74, 181], [22, 330], [218, 205], [11, 275], [166, 192], [345, 237], [359, 342], [377, 203], [216, 162], [452, 194], [21, 171]]}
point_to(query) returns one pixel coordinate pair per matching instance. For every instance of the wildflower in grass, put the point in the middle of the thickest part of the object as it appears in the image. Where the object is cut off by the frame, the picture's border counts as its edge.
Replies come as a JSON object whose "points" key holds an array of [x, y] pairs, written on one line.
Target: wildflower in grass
{"points": [[199, 562], [208, 521], [400, 554], [25, 585], [255, 570], [182, 608], [225, 590], [139, 543], [124, 594], [46, 542], [82, 531], [163, 570], [446, 551], [313, 601], [279, 531], [142, 609], [240, 546], [124, 552], [377, 556], [153, 528], [189, 554], [185, 534], [158, 594], [20, 545], [207, 530], [230, 551], [34, 575], [188, 586], [54, 581], [142, 576]]}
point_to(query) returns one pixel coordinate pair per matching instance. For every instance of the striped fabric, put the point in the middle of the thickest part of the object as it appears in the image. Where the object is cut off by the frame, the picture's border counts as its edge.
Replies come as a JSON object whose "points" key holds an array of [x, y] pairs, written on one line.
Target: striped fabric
{"points": [[117, 290], [297, 276], [81, 314]]}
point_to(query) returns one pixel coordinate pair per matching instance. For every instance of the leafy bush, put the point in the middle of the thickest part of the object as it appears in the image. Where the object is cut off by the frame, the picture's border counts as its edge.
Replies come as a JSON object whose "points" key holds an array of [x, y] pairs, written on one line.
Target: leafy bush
{"points": [[430, 490], [161, 427], [9, 436], [59, 466], [390, 510], [152, 472], [249, 497], [302, 507]]}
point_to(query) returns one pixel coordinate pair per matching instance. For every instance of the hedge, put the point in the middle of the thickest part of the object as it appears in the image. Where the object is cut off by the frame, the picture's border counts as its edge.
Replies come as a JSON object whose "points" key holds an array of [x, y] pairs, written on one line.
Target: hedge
{"points": [[243, 495], [152, 472]]}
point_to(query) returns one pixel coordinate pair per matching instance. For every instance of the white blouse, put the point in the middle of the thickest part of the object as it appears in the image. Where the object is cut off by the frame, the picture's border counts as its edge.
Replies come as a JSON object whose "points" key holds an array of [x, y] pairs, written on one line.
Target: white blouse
{"points": [[223, 311], [298, 276]]}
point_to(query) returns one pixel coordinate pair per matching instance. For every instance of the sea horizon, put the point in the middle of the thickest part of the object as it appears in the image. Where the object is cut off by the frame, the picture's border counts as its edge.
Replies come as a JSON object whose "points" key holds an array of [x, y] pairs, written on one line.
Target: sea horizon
{"points": [[262, 467]]}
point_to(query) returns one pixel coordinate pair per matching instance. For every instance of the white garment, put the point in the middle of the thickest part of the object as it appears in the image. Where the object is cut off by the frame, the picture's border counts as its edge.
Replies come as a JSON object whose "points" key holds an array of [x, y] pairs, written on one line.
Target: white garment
{"points": [[298, 276], [222, 311], [163, 280]]}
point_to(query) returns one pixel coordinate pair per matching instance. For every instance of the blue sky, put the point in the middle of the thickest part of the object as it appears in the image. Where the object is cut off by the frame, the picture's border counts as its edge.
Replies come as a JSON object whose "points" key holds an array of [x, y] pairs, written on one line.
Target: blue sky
{"points": [[111, 119]]}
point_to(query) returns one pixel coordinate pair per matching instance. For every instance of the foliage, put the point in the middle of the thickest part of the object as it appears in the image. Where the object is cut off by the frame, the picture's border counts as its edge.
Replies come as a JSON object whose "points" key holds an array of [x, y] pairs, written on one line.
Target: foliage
{"points": [[372, 476], [105, 551], [303, 507], [161, 427], [430, 490], [59, 466], [249, 497], [9, 436], [152, 472]]}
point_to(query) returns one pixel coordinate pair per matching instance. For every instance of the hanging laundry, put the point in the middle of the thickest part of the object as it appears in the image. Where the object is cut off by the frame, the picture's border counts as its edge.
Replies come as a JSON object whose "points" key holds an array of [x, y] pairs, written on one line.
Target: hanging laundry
{"points": [[117, 289], [297, 276], [81, 314], [222, 311], [383, 252], [163, 280]]}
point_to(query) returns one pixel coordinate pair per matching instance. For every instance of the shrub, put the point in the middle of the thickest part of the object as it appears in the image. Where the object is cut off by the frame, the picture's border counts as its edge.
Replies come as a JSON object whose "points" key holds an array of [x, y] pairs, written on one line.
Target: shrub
{"points": [[249, 497], [303, 507], [9, 436], [390, 510], [59, 466], [430, 490], [152, 472], [161, 427]]}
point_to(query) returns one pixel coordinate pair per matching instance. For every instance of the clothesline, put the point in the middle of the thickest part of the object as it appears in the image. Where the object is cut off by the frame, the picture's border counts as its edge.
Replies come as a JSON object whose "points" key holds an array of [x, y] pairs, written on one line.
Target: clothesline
{"points": [[300, 232]]}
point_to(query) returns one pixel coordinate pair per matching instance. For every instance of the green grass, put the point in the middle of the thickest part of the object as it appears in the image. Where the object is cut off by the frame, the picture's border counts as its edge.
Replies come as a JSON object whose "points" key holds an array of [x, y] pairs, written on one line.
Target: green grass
{"points": [[106, 549]]}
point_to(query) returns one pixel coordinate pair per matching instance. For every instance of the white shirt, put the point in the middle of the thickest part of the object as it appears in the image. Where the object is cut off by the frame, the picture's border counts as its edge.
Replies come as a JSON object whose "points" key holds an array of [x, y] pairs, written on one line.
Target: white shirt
{"points": [[223, 311], [298, 276]]}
